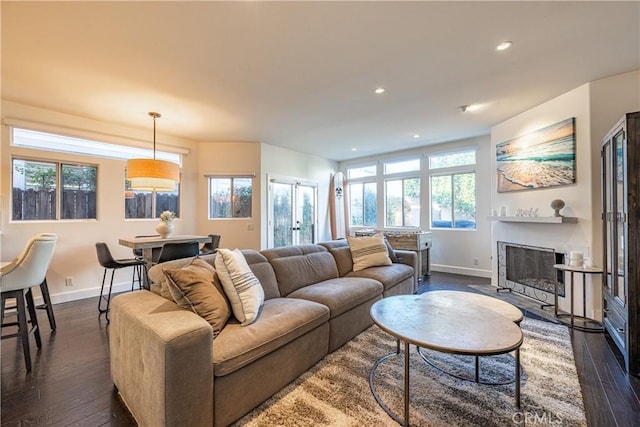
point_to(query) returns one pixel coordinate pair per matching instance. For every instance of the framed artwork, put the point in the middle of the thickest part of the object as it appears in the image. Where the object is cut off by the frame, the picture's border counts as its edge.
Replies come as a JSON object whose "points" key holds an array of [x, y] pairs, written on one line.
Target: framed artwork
{"points": [[540, 159]]}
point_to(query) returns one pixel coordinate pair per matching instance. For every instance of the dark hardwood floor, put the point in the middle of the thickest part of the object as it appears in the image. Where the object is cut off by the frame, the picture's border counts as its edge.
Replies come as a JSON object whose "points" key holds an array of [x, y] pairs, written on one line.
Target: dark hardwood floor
{"points": [[70, 384]]}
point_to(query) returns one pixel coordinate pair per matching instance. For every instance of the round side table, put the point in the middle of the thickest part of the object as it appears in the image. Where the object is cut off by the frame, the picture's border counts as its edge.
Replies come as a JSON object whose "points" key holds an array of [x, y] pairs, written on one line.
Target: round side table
{"points": [[582, 323]]}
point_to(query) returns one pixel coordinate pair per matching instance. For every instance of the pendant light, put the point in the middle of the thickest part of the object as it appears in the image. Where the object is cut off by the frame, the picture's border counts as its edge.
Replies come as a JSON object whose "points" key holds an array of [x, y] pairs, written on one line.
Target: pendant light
{"points": [[153, 174]]}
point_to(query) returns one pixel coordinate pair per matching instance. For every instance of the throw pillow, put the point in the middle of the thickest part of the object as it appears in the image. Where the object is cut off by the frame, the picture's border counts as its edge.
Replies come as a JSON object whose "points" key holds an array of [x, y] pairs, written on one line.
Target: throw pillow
{"points": [[194, 287], [240, 285], [368, 251]]}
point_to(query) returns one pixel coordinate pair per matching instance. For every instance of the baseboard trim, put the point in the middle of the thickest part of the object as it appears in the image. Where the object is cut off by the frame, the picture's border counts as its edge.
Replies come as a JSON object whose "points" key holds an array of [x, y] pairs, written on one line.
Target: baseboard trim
{"points": [[475, 272], [69, 296]]}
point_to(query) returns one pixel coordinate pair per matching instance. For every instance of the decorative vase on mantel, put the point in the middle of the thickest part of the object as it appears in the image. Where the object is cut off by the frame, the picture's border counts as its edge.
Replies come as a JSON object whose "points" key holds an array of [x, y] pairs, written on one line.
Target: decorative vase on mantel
{"points": [[164, 228]]}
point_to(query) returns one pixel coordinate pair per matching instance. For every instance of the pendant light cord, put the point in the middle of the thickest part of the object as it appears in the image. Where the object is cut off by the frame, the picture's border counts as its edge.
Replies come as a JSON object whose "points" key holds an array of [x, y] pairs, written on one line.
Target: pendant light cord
{"points": [[155, 116]]}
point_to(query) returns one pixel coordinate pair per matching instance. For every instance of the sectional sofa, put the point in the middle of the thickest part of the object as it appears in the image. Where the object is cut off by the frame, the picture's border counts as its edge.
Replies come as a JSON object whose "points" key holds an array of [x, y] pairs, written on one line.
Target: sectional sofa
{"points": [[170, 370]]}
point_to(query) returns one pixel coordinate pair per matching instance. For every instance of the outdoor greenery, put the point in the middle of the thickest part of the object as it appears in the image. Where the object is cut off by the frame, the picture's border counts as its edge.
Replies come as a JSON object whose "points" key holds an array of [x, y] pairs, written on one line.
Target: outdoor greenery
{"points": [[230, 197], [35, 191]]}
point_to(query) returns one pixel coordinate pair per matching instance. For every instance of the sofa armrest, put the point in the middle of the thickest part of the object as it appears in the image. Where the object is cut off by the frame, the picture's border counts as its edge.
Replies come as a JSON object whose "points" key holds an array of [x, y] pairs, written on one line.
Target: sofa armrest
{"points": [[161, 360], [409, 258]]}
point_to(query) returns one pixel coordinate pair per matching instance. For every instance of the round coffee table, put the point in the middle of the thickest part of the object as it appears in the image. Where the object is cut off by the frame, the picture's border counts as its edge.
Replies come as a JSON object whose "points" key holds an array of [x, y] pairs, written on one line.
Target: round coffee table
{"points": [[444, 322]]}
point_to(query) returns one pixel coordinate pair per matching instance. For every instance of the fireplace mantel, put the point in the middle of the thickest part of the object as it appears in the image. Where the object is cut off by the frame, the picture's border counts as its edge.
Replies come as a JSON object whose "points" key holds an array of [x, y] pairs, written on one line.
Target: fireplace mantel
{"points": [[536, 219]]}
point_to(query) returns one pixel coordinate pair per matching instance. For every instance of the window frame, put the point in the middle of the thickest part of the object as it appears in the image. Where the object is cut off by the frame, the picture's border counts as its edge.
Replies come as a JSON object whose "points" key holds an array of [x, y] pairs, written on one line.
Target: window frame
{"points": [[58, 164], [452, 171], [230, 177], [364, 180], [401, 176]]}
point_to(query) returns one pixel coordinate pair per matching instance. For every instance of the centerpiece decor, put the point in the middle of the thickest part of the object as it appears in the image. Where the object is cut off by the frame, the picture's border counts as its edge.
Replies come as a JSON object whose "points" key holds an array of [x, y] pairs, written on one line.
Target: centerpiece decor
{"points": [[165, 226]]}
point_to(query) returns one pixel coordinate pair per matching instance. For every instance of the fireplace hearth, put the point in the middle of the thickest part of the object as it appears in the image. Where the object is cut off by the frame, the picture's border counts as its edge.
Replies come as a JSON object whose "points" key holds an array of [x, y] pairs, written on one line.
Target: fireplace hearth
{"points": [[528, 270]]}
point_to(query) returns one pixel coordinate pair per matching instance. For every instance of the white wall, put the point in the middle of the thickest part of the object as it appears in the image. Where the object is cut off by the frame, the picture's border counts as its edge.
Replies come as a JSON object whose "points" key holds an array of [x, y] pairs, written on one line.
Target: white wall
{"points": [[230, 158], [597, 106], [455, 251], [75, 254], [280, 162], [577, 197]]}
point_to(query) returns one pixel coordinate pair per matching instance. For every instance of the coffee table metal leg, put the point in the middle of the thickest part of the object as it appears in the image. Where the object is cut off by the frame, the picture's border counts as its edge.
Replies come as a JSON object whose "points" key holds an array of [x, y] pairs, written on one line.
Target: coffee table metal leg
{"points": [[518, 377], [406, 383], [477, 369]]}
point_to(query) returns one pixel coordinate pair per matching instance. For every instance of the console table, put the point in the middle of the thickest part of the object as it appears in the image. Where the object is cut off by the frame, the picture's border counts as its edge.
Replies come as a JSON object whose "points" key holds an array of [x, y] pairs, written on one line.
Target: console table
{"points": [[582, 323]]}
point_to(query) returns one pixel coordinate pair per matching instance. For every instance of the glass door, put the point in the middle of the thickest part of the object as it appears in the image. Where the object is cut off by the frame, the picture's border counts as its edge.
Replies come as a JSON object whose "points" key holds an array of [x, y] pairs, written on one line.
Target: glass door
{"points": [[620, 217], [292, 212]]}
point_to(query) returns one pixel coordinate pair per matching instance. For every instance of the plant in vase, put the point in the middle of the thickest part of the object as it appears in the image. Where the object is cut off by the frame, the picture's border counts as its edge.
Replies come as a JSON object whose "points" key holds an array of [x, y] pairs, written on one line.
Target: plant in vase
{"points": [[165, 226]]}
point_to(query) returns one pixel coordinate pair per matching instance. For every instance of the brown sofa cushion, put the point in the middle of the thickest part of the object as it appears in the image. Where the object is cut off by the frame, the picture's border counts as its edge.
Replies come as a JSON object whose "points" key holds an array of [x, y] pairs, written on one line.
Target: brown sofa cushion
{"points": [[282, 320], [159, 280], [341, 294], [194, 287], [299, 266], [389, 275]]}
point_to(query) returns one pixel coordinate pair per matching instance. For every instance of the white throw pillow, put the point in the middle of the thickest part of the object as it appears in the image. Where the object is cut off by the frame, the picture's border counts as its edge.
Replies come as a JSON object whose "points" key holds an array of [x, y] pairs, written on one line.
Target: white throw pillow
{"points": [[368, 251], [241, 286]]}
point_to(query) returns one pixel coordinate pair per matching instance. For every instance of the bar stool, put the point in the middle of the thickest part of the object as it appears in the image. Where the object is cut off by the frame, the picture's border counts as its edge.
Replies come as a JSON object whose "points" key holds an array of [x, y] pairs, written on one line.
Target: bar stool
{"points": [[107, 261], [16, 280]]}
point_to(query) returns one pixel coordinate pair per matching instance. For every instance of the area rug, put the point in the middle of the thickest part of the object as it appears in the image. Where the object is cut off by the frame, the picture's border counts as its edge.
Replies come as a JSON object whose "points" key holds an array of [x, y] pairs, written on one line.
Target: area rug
{"points": [[336, 392]]}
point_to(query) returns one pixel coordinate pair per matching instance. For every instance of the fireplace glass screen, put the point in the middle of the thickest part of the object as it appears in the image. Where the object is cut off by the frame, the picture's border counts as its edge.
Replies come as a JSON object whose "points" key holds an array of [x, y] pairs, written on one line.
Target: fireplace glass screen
{"points": [[527, 269]]}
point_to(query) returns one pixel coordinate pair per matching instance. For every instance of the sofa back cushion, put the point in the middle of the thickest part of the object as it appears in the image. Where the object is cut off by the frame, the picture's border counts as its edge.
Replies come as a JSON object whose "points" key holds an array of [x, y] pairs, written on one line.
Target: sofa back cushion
{"points": [[263, 271], [342, 255], [301, 265], [258, 264]]}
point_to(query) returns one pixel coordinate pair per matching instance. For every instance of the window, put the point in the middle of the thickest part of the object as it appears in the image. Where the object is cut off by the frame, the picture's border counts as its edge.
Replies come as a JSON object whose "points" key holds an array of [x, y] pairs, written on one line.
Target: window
{"points": [[65, 144], [363, 204], [453, 190], [402, 202], [402, 193], [363, 196], [230, 197], [148, 204], [35, 194], [79, 182]]}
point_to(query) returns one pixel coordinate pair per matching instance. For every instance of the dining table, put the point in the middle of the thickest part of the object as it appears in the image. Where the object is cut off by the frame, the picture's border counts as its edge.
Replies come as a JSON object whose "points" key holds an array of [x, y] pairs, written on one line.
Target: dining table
{"points": [[148, 243]]}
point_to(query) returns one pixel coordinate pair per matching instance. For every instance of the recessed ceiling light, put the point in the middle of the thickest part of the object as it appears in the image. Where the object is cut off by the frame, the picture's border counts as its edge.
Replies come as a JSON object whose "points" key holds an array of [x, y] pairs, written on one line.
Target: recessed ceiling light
{"points": [[416, 135], [504, 45], [354, 149], [379, 90]]}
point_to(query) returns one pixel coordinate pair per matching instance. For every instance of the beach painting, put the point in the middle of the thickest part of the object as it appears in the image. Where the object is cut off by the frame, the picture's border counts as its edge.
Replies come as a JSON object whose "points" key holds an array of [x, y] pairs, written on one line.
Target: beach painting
{"points": [[544, 158]]}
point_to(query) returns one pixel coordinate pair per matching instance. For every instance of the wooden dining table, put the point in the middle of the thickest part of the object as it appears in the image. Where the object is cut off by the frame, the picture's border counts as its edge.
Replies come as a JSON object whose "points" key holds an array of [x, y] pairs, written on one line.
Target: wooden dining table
{"points": [[148, 243]]}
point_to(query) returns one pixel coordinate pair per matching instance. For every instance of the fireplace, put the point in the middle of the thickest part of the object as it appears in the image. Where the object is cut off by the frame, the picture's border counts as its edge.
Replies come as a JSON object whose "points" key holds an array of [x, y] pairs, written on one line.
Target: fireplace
{"points": [[528, 270]]}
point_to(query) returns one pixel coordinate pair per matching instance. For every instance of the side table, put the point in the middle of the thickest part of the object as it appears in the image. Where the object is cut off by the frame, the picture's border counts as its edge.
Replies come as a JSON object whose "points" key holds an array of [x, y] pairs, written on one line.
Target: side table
{"points": [[582, 323]]}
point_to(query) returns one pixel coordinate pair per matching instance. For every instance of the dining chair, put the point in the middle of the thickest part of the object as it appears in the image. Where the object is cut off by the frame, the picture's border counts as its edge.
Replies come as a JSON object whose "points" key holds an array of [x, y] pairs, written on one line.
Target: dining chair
{"points": [[171, 251], [107, 261], [211, 247], [17, 278], [155, 251]]}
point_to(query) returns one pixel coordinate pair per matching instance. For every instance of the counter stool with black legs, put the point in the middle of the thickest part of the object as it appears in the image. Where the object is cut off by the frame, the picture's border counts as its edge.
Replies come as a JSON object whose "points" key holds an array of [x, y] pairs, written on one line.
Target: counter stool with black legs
{"points": [[17, 278], [107, 261]]}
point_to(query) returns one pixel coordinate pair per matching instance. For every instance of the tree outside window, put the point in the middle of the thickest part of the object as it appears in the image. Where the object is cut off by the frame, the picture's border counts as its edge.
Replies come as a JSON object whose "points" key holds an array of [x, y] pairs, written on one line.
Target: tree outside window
{"points": [[402, 204], [453, 190], [363, 204]]}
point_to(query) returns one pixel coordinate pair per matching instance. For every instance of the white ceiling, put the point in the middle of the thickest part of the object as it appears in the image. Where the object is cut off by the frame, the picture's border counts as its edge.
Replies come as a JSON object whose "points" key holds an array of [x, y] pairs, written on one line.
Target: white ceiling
{"points": [[301, 75]]}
